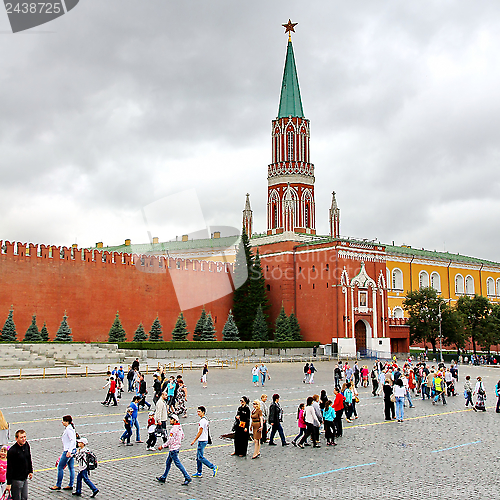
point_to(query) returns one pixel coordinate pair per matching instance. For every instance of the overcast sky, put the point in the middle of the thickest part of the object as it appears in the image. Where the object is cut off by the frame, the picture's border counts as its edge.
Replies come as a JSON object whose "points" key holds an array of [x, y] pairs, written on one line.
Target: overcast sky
{"points": [[123, 103]]}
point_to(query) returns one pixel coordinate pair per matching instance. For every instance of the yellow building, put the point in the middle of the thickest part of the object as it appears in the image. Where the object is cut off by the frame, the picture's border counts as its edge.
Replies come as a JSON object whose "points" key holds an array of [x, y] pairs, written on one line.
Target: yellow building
{"points": [[452, 275]]}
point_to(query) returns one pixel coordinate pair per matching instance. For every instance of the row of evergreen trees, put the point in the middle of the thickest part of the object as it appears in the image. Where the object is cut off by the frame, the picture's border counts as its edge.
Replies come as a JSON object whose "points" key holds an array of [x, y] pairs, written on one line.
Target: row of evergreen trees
{"points": [[33, 334], [204, 330]]}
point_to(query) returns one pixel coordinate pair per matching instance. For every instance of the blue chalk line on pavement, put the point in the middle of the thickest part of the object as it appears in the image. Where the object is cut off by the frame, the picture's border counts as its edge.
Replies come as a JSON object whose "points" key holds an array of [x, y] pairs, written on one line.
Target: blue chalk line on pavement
{"points": [[337, 470], [453, 447]]}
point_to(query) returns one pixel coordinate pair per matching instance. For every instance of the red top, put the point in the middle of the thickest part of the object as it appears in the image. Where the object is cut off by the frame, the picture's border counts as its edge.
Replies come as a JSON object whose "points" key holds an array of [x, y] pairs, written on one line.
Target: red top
{"points": [[302, 423], [338, 403]]}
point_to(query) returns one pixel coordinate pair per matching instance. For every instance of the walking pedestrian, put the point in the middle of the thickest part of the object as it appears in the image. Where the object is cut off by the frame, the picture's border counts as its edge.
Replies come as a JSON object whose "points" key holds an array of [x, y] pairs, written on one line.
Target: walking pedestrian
{"points": [[337, 375], [151, 442], [66, 458], [329, 422], [338, 406], [161, 415], [143, 392], [180, 400], [257, 426], [389, 410], [313, 370], [203, 437], [173, 444], [374, 377], [263, 407], [130, 380], [312, 423], [468, 392], [255, 375], [134, 420], [348, 401], [82, 460], [300, 422], [127, 423], [264, 372], [19, 467], [275, 419], [480, 395], [204, 376], [306, 374], [399, 393]]}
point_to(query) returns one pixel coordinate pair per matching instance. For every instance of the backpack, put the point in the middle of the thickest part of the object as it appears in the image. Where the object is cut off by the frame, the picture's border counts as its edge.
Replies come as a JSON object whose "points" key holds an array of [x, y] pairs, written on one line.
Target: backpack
{"points": [[91, 460]]}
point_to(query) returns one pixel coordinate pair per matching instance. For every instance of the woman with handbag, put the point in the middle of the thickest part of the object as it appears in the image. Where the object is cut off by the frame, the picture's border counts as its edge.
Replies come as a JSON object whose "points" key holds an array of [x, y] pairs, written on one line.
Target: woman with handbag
{"points": [[241, 426]]}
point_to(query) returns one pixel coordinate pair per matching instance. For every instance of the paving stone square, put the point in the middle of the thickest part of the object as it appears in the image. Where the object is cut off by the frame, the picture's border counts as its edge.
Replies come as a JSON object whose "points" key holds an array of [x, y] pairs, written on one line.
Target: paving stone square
{"points": [[437, 452]]}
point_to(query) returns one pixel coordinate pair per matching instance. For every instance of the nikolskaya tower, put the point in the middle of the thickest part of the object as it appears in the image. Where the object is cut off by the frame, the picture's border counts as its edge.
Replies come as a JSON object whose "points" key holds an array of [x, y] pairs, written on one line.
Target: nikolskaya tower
{"points": [[290, 198]]}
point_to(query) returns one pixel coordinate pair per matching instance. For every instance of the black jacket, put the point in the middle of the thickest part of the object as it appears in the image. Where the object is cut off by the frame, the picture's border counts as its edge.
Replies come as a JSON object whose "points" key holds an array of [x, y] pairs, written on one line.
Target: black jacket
{"points": [[275, 413], [19, 463]]}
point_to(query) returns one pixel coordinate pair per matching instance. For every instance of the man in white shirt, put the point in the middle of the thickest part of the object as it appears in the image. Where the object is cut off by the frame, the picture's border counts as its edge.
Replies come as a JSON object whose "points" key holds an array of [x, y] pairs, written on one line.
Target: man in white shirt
{"points": [[202, 438]]}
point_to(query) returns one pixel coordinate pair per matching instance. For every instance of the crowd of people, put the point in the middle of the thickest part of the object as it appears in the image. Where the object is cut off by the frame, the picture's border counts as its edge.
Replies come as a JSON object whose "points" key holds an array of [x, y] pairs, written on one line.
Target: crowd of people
{"points": [[318, 417]]}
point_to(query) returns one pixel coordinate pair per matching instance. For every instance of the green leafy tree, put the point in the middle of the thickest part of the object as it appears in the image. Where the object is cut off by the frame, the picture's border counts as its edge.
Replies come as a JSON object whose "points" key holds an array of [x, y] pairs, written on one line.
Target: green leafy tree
{"points": [[244, 309], [9, 333], [230, 330], [422, 307], [491, 336], [32, 333], [198, 329], [209, 332], [64, 332], [260, 331], [475, 314], [294, 327], [180, 331], [117, 332], [156, 334], [44, 333], [140, 334], [452, 328], [282, 331]]}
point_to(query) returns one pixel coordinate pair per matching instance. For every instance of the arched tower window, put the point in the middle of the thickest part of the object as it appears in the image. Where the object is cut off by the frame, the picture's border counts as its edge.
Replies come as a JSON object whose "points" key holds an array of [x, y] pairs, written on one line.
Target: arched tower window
{"points": [[397, 279], [275, 216], [306, 215], [436, 282], [423, 279], [459, 284], [290, 146]]}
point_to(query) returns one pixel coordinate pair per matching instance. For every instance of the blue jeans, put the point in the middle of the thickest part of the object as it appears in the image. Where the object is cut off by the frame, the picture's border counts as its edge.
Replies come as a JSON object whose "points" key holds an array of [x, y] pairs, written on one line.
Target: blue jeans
{"points": [[424, 391], [407, 394], [277, 427], [263, 378], [70, 462], [84, 474], [399, 408], [135, 423], [200, 459], [173, 456]]}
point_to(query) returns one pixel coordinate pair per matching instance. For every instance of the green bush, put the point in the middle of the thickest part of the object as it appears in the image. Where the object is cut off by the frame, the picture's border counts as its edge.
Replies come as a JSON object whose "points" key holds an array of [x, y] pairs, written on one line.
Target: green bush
{"points": [[240, 344]]}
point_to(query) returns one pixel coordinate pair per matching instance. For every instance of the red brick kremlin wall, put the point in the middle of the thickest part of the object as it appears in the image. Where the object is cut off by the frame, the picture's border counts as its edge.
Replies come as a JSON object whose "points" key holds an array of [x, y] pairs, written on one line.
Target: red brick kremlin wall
{"points": [[90, 286]]}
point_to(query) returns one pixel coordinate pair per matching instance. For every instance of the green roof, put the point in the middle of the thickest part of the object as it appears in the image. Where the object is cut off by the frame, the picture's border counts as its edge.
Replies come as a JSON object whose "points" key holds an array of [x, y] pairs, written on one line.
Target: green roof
{"points": [[290, 102], [437, 255], [174, 246]]}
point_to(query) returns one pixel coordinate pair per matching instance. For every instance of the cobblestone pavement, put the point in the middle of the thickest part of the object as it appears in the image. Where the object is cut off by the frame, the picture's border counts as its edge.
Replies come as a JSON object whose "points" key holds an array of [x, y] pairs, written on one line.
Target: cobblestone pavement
{"points": [[438, 452]]}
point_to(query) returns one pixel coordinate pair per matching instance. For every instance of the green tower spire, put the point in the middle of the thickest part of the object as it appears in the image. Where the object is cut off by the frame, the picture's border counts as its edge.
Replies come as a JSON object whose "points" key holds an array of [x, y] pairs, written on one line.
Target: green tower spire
{"points": [[290, 102]]}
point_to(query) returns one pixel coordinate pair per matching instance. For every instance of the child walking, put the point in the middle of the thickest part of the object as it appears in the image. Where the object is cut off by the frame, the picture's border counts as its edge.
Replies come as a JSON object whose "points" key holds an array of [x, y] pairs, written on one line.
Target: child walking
{"points": [[82, 460], [127, 422], [150, 443]]}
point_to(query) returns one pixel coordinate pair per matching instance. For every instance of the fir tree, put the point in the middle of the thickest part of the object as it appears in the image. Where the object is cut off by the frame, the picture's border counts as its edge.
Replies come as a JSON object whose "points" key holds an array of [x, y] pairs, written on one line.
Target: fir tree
{"points": [[180, 331], [294, 327], [140, 334], [9, 333], [230, 330], [117, 332], [198, 330], [64, 332], [258, 295], [44, 333], [208, 329], [32, 333], [282, 331], [243, 309], [155, 334], [259, 330]]}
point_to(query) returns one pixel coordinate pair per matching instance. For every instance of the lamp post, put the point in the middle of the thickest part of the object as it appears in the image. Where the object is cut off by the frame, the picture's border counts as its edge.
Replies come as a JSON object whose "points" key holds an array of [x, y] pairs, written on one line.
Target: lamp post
{"points": [[440, 334]]}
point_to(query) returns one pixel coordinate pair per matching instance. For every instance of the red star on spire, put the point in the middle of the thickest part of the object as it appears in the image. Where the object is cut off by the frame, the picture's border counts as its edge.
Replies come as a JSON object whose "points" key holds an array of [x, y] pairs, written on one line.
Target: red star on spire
{"points": [[289, 26]]}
